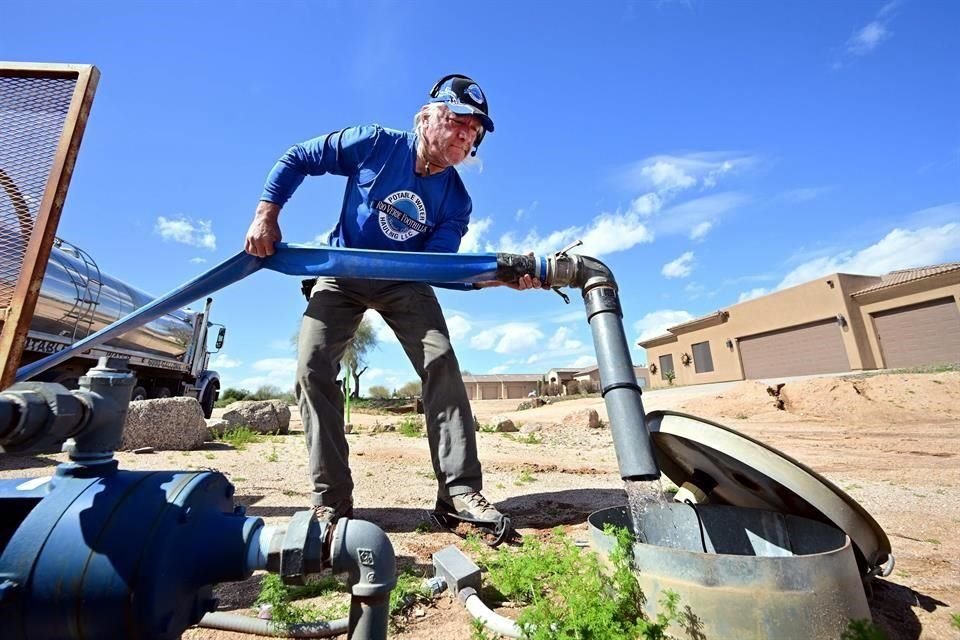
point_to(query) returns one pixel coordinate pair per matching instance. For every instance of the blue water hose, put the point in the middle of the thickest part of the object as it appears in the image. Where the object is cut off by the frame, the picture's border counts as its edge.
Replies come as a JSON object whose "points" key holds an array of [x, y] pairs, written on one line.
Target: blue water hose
{"points": [[442, 269]]}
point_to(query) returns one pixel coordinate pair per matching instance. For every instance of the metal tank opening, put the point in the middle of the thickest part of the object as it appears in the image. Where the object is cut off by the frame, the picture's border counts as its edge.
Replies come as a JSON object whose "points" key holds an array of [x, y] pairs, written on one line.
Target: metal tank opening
{"points": [[744, 573]]}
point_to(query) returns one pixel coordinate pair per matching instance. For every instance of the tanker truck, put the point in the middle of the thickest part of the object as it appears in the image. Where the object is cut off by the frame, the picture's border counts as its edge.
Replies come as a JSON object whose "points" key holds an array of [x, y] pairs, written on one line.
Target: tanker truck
{"points": [[169, 356]]}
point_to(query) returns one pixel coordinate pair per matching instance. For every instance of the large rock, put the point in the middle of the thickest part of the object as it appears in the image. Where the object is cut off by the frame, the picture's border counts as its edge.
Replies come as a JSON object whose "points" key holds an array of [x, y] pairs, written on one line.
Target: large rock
{"points": [[217, 427], [582, 418], [164, 424], [262, 416], [503, 424]]}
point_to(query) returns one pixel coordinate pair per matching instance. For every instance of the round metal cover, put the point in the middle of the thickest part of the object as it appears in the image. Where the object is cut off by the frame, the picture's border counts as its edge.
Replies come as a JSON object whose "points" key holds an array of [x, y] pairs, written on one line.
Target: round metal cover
{"points": [[734, 469]]}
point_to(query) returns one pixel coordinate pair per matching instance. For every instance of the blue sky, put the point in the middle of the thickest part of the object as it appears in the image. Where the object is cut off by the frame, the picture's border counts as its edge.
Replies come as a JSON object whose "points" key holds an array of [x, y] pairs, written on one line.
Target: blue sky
{"points": [[708, 152]]}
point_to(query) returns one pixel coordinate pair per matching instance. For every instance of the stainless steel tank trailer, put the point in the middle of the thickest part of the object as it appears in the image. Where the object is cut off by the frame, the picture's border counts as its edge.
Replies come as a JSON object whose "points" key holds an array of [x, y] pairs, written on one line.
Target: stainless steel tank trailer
{"points": [[141, 550]]}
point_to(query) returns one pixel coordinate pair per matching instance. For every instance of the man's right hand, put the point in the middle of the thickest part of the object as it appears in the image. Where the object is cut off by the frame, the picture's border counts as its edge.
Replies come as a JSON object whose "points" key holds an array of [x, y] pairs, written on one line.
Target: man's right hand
{"points": [[264, 231]]}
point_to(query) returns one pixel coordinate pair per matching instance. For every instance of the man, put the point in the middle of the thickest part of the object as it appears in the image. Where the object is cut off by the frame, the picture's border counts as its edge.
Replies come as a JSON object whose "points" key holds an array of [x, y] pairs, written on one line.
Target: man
{"points": [[402, 194]]}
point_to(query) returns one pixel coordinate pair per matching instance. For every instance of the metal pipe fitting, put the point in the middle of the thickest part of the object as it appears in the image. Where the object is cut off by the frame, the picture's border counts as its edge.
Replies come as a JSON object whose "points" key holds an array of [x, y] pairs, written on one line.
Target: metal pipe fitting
{"points": [[363, 551]]}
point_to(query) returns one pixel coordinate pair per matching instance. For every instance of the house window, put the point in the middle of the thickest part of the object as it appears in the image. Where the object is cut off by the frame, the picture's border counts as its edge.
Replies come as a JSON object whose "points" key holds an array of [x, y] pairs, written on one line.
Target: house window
{"points": [[666, 366], [702, 359]]}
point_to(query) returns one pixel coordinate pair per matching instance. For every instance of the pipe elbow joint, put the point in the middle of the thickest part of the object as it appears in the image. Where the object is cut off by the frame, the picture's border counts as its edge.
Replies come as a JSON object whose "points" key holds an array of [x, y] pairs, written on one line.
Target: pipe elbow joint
{"points": [[363, 550], [578, 271]]}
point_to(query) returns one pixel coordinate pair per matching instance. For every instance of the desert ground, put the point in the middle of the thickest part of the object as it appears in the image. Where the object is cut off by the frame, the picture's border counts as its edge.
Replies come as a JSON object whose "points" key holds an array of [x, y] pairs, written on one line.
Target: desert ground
{"points": [[891, 441]]}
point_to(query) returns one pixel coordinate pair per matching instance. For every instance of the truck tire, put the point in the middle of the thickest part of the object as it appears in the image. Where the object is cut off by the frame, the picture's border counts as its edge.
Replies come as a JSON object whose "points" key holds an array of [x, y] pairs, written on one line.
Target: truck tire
{"points": [[160, 392], [139, 393], [209, 398]]}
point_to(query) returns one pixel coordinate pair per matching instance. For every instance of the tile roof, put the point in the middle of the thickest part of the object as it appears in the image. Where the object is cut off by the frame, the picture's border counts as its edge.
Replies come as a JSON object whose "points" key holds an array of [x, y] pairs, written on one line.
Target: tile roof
{"points": [[895, 278]]}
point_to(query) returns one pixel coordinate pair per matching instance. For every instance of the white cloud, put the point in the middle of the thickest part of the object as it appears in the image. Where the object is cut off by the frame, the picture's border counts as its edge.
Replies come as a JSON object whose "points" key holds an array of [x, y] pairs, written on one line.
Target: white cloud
{"points": [[607, 233], [282, 345], [512, 337], [390, 378], [688, 216], [700, 230], [472, 242], [278, 372], [562, 339], [679, 268], [753, 293], [383, 332], [186, 231], [802, 194], [583, 362], [223, 361], [197, 260], [656, 323], [668, 175], [866, 39], [522, 212], [647, 204], [498, 369], [458, 326], [899, 249]]}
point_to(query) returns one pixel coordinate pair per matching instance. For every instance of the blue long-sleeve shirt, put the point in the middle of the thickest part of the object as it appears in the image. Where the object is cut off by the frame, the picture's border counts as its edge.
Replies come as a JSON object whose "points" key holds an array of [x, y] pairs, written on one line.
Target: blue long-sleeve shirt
{"points": [[386, 205]]}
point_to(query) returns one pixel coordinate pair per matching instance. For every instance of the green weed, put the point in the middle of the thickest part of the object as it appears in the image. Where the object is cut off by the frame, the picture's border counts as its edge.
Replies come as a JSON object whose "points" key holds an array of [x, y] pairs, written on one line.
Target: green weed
{"points": [[411, 427], [239, 437], [530, 438], [862, 630], [955, 620], [525, 477], [272, 456], [423, 527], [569, 593], [408, 592], [933, 541]]}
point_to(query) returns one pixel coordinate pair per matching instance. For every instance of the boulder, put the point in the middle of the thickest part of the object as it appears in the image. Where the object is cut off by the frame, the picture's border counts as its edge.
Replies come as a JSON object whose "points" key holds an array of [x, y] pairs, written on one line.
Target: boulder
{"points": [[262, 416], [217, 427], [531, 427], [164, 424], [503, 424], [582, 418]]}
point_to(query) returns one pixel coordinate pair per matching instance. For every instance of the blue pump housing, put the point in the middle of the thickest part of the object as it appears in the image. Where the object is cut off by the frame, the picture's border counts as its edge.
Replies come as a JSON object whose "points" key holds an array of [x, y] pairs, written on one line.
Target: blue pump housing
{"points": [[131, 554]]}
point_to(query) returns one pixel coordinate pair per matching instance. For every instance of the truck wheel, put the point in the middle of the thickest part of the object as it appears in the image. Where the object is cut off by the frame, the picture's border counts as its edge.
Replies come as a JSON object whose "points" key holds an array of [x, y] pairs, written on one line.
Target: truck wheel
{"points": [[161, 392], [210, 395], [139, 393]]}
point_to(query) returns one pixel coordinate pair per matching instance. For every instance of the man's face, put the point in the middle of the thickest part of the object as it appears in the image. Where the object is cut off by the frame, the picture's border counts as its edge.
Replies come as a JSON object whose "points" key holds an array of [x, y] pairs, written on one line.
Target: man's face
{"points": [[449, 137]]}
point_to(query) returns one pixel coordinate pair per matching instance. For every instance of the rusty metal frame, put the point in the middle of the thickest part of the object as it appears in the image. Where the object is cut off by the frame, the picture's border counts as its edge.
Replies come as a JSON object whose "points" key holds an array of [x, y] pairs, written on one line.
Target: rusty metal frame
{"points": [[16, 323]]}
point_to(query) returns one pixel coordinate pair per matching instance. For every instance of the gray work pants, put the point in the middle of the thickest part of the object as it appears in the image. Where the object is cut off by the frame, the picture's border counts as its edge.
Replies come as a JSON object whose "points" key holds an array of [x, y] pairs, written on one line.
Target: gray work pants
{"points": [[411, 309]]}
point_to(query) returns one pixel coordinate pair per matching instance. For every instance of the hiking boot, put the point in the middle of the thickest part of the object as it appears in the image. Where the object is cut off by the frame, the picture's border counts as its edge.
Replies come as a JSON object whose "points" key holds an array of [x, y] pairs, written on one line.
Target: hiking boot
{"points": [[328, 515], [471, 507]]}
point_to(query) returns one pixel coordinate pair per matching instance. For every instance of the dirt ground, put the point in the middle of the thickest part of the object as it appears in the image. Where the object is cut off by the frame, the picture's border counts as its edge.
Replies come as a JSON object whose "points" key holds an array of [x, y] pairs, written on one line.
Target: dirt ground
{"points": [[892, 442]]}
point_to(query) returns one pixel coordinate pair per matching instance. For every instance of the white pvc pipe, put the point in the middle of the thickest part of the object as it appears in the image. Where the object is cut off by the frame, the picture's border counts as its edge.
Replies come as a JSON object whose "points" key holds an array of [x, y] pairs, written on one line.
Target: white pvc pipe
{"points": [[493, 621]]}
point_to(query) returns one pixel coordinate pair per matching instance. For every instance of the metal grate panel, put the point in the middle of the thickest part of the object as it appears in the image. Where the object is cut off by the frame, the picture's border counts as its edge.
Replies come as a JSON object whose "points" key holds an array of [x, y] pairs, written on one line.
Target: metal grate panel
{"points": [[33, 112]]}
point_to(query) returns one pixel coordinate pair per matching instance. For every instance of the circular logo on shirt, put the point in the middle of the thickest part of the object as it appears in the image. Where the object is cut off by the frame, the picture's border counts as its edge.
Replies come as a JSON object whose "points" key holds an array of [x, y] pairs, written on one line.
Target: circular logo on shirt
{"points": [[402, 215]]}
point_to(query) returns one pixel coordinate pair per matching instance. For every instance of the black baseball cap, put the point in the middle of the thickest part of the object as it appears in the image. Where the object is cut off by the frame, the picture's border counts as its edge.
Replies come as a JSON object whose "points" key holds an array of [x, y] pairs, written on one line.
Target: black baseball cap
{"points": [[464, 97]]}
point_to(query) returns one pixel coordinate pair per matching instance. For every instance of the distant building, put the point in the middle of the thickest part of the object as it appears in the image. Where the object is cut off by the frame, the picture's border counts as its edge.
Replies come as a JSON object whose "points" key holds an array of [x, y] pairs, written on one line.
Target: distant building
{"points": [[502, 387], [838, 323]]}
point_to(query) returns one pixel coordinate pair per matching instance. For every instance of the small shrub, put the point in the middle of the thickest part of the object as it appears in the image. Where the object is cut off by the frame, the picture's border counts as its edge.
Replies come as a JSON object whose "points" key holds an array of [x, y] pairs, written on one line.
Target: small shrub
{"points": [[862, 630], [530, 438], [408, 592], [570, 594], [525, 477], [378, 392], [239, 437], [411, 427], [272, 456]]}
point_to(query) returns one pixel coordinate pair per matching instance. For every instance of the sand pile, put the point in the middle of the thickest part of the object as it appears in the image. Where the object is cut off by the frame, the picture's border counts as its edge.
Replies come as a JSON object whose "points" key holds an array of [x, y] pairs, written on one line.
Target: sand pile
{"points": [[747, 399], [888, 398], [884, 398]]}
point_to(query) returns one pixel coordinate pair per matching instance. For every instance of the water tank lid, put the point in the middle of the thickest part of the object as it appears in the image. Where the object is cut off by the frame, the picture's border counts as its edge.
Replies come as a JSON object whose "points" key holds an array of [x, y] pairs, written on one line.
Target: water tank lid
{"points": [[734, 469]]}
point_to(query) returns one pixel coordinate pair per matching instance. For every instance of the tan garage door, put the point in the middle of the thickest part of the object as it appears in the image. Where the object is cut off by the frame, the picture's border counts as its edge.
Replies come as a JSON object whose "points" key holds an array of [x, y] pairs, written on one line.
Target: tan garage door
{"points": [[489, 391], [921, 334], [811, 348]]}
